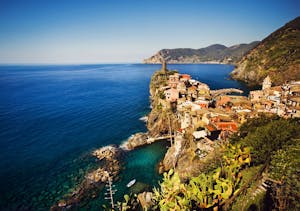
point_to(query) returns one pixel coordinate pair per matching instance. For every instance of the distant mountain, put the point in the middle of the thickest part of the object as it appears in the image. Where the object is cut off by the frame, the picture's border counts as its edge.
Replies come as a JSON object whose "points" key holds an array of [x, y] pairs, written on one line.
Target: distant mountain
{"points": [[212, 54], [278, 56]]}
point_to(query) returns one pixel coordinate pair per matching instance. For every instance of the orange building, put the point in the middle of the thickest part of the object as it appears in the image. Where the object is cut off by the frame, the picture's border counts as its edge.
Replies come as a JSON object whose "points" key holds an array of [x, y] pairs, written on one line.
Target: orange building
{"points": [[228, 126], [185, 77]]}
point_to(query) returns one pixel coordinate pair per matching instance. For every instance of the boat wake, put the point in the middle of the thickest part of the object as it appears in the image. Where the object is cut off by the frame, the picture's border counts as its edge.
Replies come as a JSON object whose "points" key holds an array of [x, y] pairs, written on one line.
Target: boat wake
{"points": [[144, 118]]}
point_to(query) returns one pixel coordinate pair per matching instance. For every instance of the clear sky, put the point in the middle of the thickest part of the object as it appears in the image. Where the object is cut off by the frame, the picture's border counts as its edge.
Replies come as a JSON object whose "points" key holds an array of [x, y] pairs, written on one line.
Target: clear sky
{"points": [[108, 31]]}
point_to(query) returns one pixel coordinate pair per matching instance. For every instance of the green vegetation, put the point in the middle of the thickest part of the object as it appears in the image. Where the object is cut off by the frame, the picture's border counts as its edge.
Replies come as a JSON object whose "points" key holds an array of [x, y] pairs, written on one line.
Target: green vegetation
{"points": [[161, 95], [248, 199], [160, 79], [269, 138], [206, 190], [215, 52], [130, 203], [275, 142], [278, 55], [284, 168], [265, 147]]}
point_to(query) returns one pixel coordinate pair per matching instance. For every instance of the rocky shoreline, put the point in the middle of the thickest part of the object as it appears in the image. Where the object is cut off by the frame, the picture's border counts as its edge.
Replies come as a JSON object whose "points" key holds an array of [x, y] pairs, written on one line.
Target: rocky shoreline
{"points": [[110, 157], [162, 124], [111, 164]]}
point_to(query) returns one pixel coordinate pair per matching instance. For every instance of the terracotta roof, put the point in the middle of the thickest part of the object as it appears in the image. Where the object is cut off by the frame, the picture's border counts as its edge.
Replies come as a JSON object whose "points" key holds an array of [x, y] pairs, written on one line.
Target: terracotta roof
{"points": [[295, 88], [223, 100], [276, 88], [185, 76], [295, 99], [211, 128], [192, 88], [227, 126]]}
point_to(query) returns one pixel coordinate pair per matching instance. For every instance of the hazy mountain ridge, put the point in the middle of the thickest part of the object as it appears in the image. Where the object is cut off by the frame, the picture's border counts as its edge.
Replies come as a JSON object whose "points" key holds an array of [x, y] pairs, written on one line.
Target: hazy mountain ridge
{"points": [[216, 53], [278, 55]]}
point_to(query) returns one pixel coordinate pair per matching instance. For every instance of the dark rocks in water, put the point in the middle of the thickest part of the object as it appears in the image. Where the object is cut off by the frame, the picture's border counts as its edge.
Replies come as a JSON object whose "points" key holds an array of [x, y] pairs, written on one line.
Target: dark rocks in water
{"points": [[139, 187], [136, 140], [95, 180], [62, 203]]}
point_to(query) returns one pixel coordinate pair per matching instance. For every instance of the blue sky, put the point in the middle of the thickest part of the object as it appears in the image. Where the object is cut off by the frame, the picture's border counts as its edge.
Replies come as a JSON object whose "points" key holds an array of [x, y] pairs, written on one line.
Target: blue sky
{"points": [[109, 31]]}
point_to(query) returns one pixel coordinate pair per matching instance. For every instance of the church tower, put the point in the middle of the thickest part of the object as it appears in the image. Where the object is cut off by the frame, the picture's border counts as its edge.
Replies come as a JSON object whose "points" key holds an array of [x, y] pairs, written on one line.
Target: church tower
{"points": [[267, 83]]}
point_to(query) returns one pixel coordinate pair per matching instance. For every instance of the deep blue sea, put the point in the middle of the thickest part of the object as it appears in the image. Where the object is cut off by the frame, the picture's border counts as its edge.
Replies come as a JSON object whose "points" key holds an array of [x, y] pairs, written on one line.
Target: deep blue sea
{"points": [[52, 117]]}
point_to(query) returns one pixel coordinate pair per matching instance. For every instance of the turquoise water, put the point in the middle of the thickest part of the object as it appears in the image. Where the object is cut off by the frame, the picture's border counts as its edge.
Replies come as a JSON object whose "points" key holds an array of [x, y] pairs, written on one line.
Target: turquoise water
{"points": [[52, 117]]}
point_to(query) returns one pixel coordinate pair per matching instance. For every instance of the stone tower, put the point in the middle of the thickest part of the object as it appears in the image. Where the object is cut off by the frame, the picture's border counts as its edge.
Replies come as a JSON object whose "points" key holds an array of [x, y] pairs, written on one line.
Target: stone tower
{"points": [[267, 83], [163, 66]]}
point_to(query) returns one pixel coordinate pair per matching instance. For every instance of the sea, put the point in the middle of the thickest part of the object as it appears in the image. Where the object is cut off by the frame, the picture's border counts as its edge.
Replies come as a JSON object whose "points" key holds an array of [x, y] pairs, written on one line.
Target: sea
{"points": [[53, 116]]}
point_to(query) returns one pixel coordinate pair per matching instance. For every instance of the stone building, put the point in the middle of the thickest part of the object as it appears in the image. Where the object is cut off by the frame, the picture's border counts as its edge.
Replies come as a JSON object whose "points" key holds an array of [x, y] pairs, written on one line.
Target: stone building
{"points": [[267, 83]]}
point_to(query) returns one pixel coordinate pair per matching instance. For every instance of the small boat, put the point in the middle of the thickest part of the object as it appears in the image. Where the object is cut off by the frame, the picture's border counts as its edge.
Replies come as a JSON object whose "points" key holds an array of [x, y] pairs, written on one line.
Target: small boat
{"points": [[131, 183]]}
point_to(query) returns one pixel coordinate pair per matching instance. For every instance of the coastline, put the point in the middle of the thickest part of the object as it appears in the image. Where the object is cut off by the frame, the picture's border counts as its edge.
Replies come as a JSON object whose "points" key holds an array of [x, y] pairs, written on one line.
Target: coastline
{"points": [[205, 62], [158, 128], [137, 151], [113, 156], [191, 148]]}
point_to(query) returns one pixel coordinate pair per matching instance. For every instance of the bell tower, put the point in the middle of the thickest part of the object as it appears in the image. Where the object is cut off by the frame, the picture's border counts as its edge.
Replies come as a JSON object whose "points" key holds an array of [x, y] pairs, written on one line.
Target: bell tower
{"points": [[267, 83]]}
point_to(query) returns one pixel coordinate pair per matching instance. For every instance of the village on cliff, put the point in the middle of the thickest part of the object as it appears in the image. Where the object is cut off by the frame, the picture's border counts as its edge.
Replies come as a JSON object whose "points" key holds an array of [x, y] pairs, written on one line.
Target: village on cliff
{"points": [[195, 119], [212, 114]]}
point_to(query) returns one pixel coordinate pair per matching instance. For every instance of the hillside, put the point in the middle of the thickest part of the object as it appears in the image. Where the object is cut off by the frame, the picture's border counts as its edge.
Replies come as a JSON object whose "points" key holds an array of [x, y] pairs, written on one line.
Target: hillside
{"points": [[278, 55], [215, 54]]}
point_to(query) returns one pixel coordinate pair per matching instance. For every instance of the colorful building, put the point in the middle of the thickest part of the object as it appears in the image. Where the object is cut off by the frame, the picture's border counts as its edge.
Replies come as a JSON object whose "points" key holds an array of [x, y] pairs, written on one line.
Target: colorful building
{"points": [[171, 95], [185, 77], [173, 80]]}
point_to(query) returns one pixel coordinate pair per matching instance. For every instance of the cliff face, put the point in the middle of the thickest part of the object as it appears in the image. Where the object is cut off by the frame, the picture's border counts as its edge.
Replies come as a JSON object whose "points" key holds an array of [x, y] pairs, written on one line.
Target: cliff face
{"points": [[215, 54], [182, 152], [278, 56], [161, 115]]}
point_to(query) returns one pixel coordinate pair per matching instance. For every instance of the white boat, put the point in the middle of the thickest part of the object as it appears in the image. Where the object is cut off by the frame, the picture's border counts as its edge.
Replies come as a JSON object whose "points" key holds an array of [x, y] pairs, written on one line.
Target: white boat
{"points": [[131, 183]]}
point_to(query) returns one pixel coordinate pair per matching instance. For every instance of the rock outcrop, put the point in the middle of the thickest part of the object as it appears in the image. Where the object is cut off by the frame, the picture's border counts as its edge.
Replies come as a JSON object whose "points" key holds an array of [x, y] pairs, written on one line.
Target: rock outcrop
{"points": [[145, 199], [136, 140], [161, 117], [278, 56], [110, 157], [188, 157]]}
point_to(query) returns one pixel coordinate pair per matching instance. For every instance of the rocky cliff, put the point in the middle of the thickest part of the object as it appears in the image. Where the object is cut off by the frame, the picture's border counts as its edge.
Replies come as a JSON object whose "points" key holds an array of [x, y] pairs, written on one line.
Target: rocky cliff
{"points": [[182, 154], [278, 56], [212, 54], [161, 117]]}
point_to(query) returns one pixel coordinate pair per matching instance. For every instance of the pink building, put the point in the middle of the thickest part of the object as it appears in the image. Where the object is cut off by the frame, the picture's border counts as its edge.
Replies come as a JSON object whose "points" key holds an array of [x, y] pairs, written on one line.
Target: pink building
{"points": [[173, 80], [256, 95], [171, 95]]}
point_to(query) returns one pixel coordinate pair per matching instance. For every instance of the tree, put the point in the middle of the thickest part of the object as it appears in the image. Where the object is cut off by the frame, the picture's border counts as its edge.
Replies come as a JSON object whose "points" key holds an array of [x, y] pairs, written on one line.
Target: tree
{"points": [[251, 125], [284, 168], [267, 139]]}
